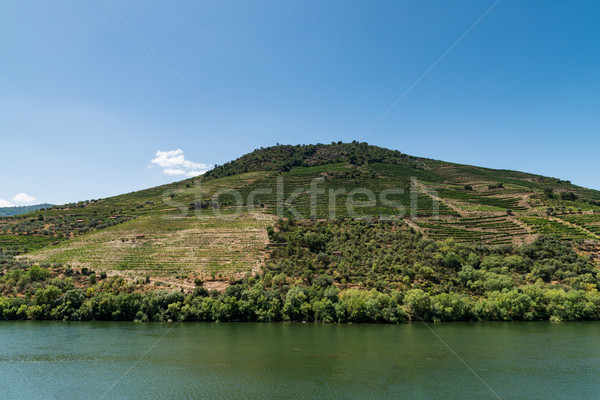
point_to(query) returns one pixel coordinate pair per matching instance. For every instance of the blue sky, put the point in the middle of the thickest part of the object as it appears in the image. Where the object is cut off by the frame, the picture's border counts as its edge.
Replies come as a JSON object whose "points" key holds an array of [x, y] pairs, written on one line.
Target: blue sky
{"points": [[85, 106]]}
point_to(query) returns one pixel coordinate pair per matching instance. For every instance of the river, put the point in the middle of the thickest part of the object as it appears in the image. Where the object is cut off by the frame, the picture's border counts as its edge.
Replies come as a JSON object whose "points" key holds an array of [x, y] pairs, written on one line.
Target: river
{"points": [[111, 360]]}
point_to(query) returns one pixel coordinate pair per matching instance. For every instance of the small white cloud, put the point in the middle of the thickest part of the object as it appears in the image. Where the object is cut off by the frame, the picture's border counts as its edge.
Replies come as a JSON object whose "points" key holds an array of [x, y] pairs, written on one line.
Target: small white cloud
{"points": [[4, 203], [23, 198], [194, 173], [174, 163], [174, 172]]}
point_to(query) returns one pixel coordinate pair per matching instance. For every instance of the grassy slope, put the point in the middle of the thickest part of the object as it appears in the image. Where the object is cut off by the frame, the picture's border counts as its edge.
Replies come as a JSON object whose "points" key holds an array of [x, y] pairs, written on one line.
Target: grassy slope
{"points": [[168, 247], [477, 215]]}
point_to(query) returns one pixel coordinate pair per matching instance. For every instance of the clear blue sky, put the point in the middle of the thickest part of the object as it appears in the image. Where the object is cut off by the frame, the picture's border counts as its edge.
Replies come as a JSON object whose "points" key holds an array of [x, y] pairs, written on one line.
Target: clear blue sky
{"points": [[85, 106]]}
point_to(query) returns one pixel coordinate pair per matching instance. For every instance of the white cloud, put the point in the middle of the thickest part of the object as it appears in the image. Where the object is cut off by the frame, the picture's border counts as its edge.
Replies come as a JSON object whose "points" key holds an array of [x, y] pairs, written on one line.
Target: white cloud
{"points": [[174, 172], [23, 198], [174, 163], [4, 203], [180, 172], [194, 173]]}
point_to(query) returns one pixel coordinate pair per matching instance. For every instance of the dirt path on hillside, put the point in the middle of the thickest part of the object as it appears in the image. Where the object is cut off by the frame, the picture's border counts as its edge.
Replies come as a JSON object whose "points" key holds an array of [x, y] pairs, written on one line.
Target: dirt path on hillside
{"points": [[414, 226], [529, 237], [524, 201]]}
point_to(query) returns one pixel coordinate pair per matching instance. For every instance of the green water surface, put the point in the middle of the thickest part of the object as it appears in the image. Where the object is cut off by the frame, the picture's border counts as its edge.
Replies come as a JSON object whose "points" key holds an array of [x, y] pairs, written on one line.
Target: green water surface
{"points": [[95, 360]]}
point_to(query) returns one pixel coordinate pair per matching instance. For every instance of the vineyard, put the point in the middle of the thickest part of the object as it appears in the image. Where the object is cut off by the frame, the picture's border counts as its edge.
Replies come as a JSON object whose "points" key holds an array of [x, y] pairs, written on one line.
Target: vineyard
{"points": [[487, 229], [182, 248], [545, 226], [591, 222]]}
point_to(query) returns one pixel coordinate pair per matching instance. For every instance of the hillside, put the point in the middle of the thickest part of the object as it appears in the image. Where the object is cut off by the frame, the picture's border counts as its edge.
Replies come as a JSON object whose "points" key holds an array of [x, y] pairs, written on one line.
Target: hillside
{"points": [[19, 210], [346, 214], [474, 205]]}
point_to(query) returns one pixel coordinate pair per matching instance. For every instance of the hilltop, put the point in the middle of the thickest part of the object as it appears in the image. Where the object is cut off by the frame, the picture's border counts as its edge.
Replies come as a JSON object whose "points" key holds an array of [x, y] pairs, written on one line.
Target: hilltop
{"points": [[285, 157], [346, 215]]}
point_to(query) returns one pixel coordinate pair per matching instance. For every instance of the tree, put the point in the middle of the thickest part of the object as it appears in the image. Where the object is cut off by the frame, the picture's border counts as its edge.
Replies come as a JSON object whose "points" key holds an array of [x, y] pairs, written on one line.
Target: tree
{"points": [[296, 307], [418, 304], [570, 196]]}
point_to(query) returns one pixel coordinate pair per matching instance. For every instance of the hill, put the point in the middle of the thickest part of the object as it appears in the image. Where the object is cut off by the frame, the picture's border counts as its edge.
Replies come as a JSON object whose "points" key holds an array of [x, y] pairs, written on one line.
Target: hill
{"points": [[19, 210], [346, 215], [441, 200]]}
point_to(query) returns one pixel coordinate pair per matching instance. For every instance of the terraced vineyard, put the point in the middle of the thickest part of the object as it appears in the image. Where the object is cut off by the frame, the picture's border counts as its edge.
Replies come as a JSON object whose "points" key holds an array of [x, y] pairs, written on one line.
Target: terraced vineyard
{"points": [[590, 222], [334, 184], [494, 201], [545, 226], [499, 229], [26, 243], [183, 248]]}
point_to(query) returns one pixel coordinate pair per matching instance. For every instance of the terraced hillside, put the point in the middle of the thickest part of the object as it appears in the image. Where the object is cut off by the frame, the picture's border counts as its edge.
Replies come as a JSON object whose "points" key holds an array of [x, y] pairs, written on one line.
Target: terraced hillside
{"points": [[214, 227], [495, 229], [181, 248]]}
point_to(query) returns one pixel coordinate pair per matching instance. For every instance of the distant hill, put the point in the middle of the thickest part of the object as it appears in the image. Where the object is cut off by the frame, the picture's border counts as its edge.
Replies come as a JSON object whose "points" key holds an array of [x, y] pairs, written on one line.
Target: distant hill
{"points": [[10, 211]]}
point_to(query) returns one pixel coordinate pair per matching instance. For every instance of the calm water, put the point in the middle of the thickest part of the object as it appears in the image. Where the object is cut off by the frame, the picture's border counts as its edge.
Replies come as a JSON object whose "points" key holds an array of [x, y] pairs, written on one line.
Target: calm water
{"points": [[41, 360]]}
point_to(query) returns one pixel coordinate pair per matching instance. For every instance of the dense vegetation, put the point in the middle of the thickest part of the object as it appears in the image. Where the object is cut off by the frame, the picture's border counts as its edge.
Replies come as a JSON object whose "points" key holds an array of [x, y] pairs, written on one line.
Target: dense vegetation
{"points": [[284, 157], [344, 271]]}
